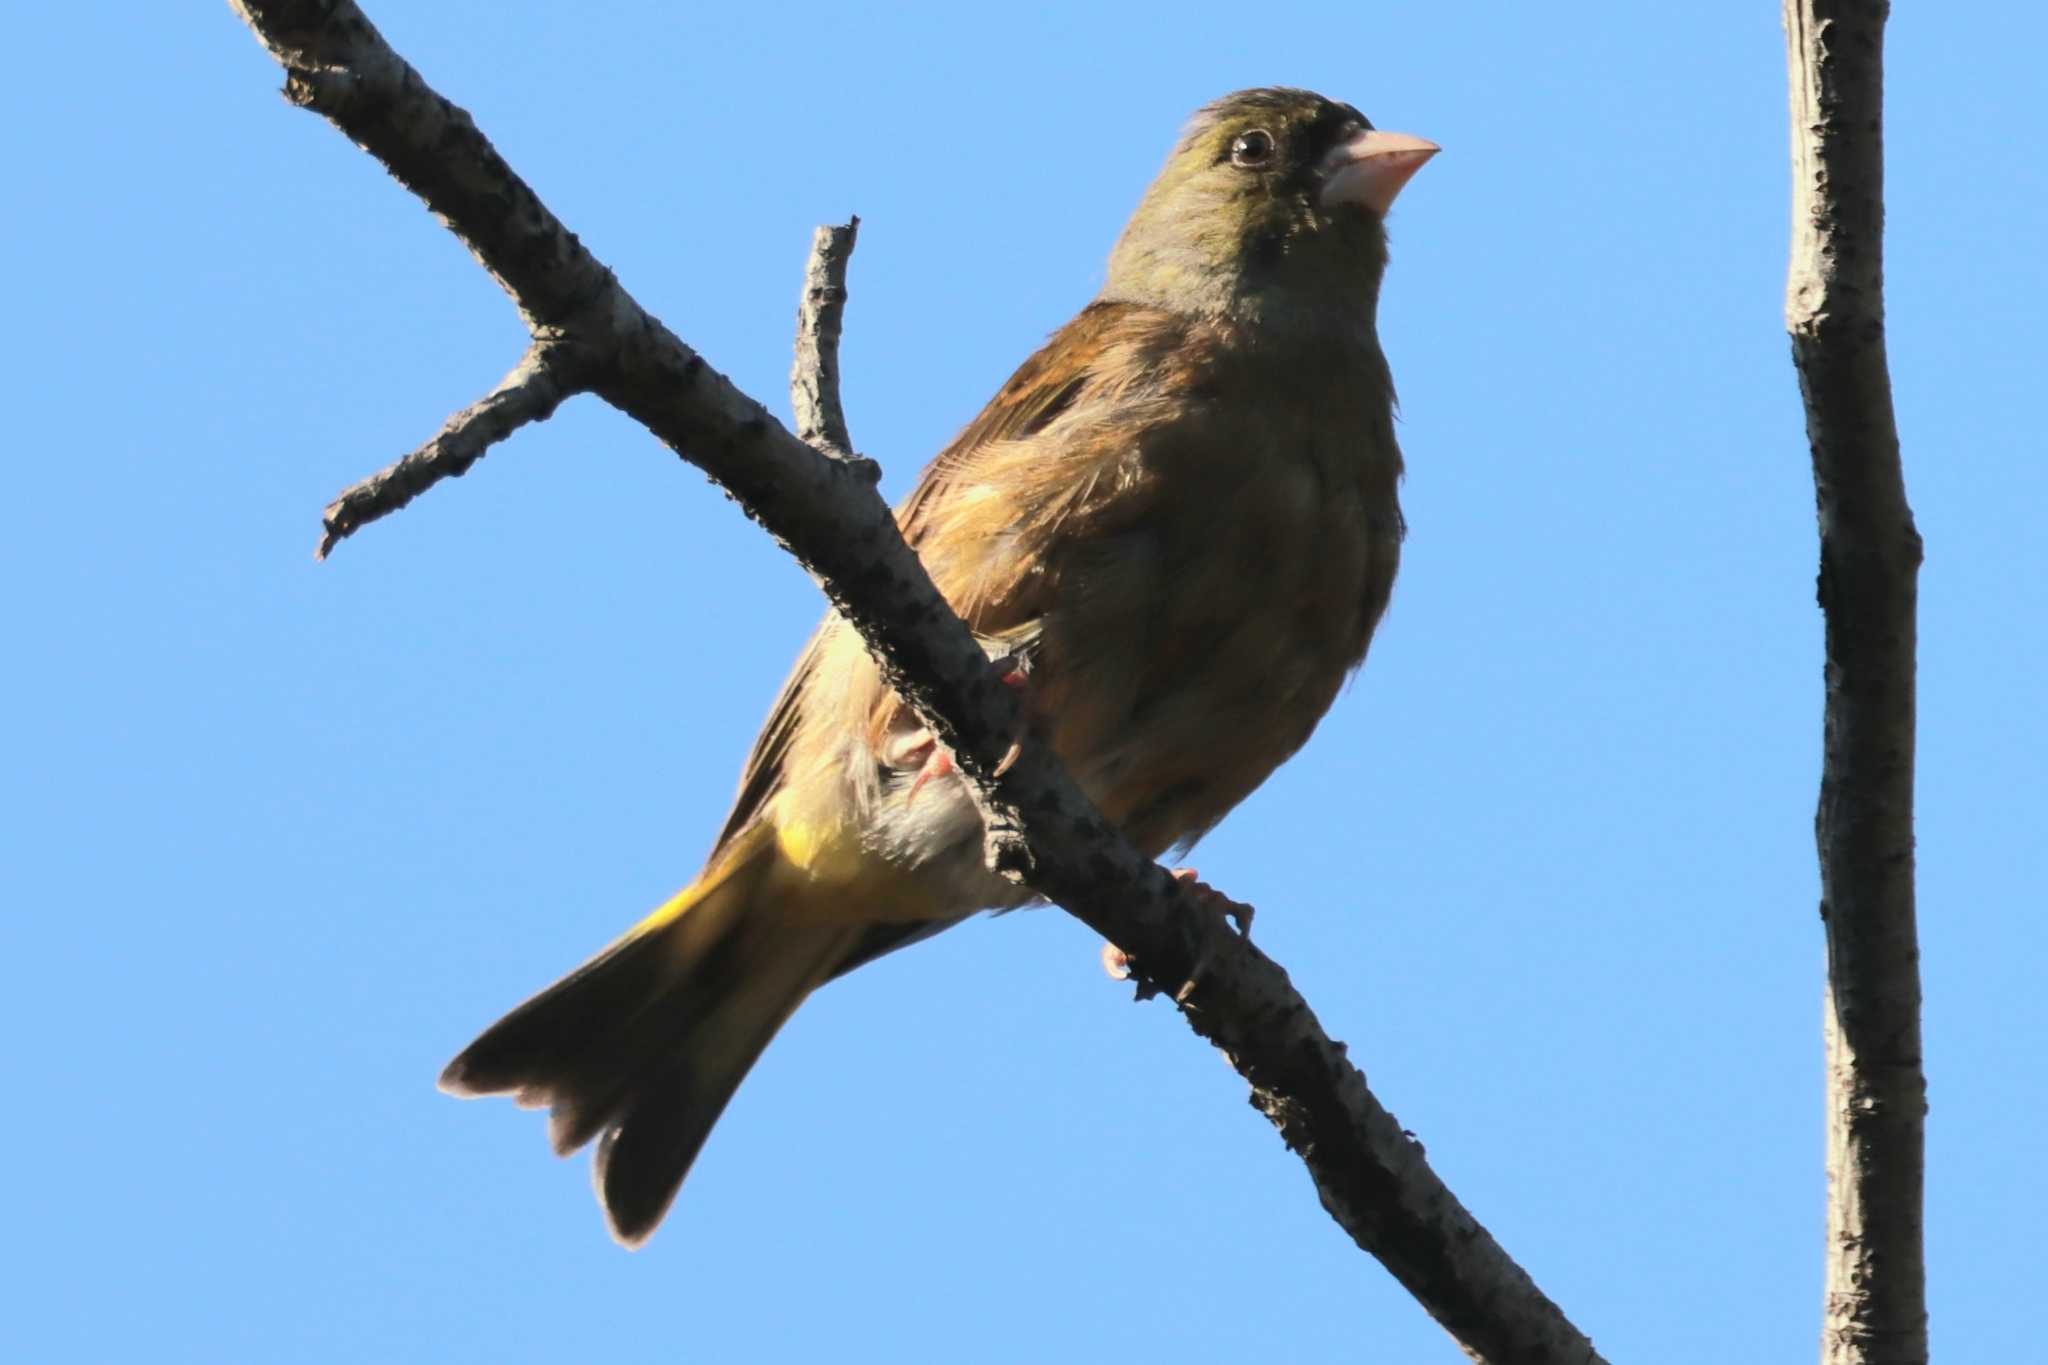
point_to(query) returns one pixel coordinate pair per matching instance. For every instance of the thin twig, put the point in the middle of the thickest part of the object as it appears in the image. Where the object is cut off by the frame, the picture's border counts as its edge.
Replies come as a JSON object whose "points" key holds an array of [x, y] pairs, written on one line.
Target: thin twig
{"points": [[814, 377], [543, 377], [1876, 1306], [1041, 829]]}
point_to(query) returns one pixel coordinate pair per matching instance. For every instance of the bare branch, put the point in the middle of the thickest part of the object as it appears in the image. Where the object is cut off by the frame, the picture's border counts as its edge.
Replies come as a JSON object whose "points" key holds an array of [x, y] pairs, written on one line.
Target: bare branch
{"points": [[814, 378], [544, 376], [339, 66], [1372, 1176], [1876, 1307]]}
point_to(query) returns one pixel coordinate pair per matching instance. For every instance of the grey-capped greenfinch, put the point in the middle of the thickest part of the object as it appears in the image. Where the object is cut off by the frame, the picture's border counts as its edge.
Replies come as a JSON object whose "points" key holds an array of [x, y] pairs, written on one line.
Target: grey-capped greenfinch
{"points": [[1175, 526]]}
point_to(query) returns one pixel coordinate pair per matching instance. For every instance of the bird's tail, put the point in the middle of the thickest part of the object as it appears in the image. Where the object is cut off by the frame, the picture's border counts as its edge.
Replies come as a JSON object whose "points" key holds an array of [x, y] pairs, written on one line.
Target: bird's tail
{"points": [[642, 1046]]}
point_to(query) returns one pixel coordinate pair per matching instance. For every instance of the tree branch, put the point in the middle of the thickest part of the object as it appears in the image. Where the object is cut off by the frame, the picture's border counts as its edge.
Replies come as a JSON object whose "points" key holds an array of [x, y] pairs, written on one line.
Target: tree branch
{"points": [[1371, 1176], [814, 378], [544, 376], [1875, 1308]]}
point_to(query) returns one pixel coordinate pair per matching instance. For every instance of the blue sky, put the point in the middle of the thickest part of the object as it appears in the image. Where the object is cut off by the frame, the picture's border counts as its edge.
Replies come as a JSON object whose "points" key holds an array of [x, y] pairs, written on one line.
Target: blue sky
{"points": [[281, 836]]}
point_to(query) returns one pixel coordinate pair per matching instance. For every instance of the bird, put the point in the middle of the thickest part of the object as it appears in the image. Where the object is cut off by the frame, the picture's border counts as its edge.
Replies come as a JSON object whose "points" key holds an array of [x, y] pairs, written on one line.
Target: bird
{"points": [[1174, 530]]}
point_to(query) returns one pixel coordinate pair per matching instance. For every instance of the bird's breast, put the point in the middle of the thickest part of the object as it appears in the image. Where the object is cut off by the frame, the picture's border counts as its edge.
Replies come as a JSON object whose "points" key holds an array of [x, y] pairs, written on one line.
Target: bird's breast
{"points": [[1196, 647]]}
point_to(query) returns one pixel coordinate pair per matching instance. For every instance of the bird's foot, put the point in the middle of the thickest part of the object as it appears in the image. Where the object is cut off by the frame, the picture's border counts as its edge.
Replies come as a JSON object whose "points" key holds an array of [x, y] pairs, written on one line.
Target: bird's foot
{"points": [[1215, 902], [1011, 671], [1225, 914], [938, 764]]}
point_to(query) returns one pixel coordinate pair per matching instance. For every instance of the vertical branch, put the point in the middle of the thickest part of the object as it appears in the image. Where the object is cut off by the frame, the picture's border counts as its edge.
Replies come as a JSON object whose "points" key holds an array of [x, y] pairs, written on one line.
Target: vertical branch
{"points": [[1875, 1308], [814, 378]]}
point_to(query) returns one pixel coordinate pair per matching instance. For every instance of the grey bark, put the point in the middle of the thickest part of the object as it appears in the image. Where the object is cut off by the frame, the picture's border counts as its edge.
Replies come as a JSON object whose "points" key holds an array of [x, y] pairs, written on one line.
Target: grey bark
{"points": [[1875, 1306], [820, 316]]}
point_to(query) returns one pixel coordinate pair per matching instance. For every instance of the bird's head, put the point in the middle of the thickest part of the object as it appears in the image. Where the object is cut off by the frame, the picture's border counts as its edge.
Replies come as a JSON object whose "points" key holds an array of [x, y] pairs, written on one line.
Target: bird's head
{"points": [[1271, 207]]}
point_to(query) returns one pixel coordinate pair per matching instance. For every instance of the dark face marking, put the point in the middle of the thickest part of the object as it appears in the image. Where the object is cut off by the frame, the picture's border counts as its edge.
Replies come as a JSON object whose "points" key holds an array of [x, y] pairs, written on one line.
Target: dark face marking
{"points": [[1282, 136]]}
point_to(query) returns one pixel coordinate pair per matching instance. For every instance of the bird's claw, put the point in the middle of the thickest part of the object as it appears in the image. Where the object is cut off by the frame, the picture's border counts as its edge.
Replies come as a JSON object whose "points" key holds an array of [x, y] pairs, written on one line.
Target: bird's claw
{"points": [[1208, 901], [1222, 911], [1011, 671], [1215, 902], [938, 764]]}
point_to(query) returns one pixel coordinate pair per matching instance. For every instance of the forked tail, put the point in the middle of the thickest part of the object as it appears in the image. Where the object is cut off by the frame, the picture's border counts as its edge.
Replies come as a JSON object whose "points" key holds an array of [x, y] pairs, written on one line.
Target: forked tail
{"points": [[642, 1046]]}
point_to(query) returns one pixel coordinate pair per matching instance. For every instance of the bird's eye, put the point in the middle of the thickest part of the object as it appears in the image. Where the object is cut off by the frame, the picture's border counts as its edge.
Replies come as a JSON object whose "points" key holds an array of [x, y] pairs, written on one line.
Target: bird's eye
{"points": [[1254, 148]]}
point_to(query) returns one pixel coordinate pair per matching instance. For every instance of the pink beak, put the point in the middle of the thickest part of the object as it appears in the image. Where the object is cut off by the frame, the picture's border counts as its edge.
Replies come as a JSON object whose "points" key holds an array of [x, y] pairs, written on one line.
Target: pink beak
{"points": [[1371, 168]]}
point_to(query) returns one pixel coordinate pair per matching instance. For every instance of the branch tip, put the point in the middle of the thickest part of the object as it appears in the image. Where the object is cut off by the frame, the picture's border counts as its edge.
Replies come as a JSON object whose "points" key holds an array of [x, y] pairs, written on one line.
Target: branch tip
{"points": [[535, 387], [820, 316]]}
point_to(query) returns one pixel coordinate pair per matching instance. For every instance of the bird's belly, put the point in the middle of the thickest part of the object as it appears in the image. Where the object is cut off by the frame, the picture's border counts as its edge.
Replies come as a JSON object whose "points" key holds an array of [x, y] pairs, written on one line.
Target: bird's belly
{"points": [[1205, 652]]}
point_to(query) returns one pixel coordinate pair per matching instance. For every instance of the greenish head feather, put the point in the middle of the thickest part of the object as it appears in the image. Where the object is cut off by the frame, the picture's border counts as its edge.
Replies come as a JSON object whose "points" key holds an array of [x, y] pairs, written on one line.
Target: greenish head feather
{"points": [[1232, 225]]}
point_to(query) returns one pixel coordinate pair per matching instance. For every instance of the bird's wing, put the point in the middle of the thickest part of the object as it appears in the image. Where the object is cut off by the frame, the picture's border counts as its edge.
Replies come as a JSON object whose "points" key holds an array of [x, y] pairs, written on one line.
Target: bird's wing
{"points": [[1043, 387], [1038, 455], [976, 489], [763, 772]]}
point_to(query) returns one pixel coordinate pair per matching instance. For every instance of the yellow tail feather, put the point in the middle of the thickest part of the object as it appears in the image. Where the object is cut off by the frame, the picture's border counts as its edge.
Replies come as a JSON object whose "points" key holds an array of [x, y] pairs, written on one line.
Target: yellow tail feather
{"points": [[642, 1046]]}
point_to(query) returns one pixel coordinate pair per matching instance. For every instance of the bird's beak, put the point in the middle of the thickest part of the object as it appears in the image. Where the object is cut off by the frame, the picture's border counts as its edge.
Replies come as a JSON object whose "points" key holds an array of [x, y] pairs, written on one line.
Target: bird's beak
{"points": [[1371, 168]]}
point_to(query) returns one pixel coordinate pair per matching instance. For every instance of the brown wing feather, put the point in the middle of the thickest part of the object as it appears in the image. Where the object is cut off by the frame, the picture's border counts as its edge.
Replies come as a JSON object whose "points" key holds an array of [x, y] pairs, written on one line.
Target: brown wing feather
{"points": [[763, 772], [1043, 387]]}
